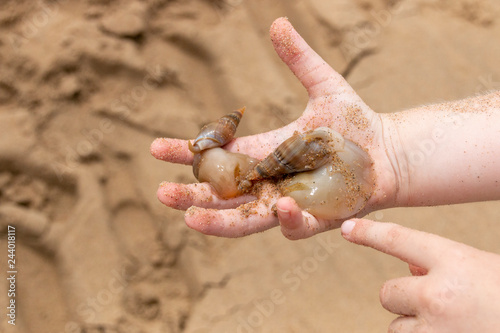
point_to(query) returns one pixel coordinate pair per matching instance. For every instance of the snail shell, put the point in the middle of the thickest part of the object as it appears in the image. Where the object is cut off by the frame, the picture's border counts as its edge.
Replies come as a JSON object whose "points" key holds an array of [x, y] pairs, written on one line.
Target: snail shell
{"points": [[336, 190], [301, 152], [328, 176], [217, 133]]}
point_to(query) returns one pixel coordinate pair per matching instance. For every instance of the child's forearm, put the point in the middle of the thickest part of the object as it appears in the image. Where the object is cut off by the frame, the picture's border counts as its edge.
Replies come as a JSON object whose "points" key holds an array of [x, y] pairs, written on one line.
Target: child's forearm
{"points": [[447, 153]]}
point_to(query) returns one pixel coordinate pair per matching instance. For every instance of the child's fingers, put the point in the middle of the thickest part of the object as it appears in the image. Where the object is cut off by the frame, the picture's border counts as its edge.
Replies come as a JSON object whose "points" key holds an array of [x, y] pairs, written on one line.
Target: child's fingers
{"points": [[311, 70], [407, 324], [245, 220], [298, 224], [171, 150], [417, 271], [412, 246], [257, 146], [181, 196], [401, 296], [294, 225]]}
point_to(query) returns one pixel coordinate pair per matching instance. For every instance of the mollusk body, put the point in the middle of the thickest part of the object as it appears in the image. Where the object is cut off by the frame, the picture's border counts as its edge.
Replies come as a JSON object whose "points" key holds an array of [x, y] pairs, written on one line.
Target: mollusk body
{"points": [[337, 190], [223, 170], [217, 133]]}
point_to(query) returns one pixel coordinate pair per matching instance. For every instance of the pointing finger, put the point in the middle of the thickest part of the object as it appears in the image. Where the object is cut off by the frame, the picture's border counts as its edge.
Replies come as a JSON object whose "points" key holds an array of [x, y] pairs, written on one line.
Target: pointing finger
{"points": [[412, 246]]}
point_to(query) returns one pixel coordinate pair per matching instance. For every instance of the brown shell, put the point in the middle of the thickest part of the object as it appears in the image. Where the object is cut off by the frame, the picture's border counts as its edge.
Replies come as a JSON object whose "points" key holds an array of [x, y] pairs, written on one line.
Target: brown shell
{"points": [[217, 133], [301, 152]]}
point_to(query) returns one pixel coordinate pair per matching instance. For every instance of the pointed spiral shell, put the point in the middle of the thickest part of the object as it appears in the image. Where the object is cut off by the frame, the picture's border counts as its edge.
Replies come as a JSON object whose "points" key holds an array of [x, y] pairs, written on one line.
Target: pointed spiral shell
{"points": [[301, 152], [217, 133]]}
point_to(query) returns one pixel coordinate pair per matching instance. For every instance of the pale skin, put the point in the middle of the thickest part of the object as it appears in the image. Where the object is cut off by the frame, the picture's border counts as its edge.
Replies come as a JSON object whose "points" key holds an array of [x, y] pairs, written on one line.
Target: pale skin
{"points": [[454, 288], [436, 154]]}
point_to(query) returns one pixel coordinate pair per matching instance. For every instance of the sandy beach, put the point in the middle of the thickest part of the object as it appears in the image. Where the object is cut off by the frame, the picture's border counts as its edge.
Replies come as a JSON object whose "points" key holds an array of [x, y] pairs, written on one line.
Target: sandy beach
{"points": [[86, 86]]}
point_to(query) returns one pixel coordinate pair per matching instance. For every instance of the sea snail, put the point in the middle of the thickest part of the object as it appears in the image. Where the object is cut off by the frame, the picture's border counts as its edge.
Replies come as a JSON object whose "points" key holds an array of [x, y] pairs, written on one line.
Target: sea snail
{"points": [[326, 174], [217, 133], [336, 190], [300, 152]]}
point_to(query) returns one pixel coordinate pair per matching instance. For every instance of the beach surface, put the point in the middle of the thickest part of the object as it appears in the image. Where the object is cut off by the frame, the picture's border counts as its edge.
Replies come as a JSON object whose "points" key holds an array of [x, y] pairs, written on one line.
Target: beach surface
{"points": [[86, 86]]}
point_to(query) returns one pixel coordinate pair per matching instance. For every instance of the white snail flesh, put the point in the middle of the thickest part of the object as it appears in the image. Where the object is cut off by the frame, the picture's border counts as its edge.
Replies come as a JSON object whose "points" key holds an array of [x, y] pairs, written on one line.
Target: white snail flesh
{"points": [[337, 190], [223, 170]]}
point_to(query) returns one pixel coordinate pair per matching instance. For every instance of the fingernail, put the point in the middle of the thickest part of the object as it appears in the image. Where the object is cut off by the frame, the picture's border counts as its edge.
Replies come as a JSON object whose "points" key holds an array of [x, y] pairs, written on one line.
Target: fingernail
{"points": [[347, 227], [284, 212]]}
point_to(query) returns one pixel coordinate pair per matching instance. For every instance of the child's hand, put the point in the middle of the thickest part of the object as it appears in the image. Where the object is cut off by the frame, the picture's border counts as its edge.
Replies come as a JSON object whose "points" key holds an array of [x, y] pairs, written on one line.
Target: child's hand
{"points": [[455, 288], [412, 152], [332, 103]]}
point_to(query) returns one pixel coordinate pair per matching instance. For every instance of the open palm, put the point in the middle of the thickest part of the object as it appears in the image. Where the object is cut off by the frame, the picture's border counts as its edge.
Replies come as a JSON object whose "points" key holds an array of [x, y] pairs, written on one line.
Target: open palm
{"points": [[332, 103]]}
